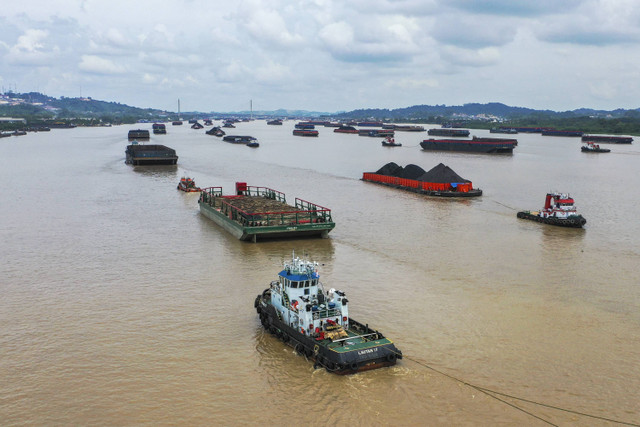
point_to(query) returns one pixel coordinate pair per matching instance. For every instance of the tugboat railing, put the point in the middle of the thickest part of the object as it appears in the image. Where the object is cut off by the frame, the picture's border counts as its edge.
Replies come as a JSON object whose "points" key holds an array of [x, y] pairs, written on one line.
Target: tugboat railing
{"points": [[356, 336]]}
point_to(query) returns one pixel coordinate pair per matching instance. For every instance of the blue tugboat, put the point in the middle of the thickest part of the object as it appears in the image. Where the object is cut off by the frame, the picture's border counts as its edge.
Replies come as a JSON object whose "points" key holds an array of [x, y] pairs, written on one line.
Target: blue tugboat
{"points": [[297, 309]]}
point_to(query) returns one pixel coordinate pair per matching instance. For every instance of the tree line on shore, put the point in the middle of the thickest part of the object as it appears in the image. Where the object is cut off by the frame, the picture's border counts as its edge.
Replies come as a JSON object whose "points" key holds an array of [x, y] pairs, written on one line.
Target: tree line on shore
{"points": [[89, 112]]}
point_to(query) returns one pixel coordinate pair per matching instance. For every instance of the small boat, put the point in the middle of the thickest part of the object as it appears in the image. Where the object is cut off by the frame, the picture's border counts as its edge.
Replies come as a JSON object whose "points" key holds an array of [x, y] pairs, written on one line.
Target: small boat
{"points": [[176, 122], [559, 209], [299, 310], [253, 144], [188, 185], [591, 147], [276, 122], [390, 142]]}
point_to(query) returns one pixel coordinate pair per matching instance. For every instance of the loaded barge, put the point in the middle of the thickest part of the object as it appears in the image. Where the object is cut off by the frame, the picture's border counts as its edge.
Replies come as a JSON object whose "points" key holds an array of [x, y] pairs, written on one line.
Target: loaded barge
{"points": [[440, 181], [154, 154], [259, 213], [297, 309], [475, 145]]}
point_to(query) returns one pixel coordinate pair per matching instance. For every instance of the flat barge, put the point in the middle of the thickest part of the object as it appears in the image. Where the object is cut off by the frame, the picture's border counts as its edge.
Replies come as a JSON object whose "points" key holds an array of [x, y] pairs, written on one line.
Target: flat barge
{"points": [[261, 213], [474, 145], [138, 155], [305, 132], [440, 181], [556, 132], [300, 311], [608, 139]]}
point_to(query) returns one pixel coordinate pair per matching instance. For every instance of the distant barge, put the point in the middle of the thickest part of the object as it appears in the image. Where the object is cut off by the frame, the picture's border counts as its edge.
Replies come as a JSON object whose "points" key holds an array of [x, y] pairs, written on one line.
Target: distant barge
{"points": [[608, 139], [138, 134], [258, 213], [440, 181], [475, 145], [556, 132], [159, 128], [448, 132], [138, 155], [305, 132]]}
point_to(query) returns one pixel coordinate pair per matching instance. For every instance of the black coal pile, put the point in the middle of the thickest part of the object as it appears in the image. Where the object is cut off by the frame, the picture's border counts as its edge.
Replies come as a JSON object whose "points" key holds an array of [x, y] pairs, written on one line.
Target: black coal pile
{"points": [[439, 174], [390, 169]]}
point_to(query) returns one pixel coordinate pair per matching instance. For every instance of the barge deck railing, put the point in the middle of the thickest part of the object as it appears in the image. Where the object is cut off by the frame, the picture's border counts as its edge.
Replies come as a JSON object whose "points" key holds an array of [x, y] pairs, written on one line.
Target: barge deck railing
{"points": [[305, 212]]}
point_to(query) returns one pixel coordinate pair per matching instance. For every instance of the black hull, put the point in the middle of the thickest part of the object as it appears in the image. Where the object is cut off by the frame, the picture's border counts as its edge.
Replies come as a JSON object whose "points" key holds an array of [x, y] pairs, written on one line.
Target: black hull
{"points": [[337, 363], [595, 150], [577, 221], [435, 193], [468, 147]]}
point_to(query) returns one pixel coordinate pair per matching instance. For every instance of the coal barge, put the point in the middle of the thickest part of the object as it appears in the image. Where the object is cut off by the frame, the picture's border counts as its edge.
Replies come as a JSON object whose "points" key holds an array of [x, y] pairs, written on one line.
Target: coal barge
{"points": [[138, 155], [254, 213], [298, 310], [559, 209], [474, 145], [440, 181]]}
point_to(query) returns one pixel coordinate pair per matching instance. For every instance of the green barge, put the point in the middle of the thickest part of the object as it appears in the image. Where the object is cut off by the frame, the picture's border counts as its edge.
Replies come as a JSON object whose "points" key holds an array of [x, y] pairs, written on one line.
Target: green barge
{"points": [[262, 213]]}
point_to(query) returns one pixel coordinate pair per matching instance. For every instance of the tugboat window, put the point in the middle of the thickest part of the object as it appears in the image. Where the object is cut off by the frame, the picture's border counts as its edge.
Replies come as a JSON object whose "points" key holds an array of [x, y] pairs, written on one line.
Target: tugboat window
{"points": [[306, 291]]}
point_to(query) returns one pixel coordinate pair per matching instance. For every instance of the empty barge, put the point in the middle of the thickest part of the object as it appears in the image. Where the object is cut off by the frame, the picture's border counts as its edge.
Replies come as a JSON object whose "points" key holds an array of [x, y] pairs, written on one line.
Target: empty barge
{"points": [[260, 213]]}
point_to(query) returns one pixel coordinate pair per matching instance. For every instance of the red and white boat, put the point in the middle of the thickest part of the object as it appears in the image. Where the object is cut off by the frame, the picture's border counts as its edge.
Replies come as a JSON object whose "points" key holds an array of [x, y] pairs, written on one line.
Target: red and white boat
{"points": [[390, 142], [559, 209]]}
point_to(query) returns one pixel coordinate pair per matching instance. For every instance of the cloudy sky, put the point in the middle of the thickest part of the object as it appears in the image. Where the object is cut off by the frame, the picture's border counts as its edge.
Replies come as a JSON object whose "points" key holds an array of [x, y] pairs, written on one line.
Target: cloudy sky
{"points": [[325, 55]]}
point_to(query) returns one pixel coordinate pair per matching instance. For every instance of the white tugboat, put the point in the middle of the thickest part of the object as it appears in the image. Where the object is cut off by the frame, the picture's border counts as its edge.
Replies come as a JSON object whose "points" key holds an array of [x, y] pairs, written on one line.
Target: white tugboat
{"points": [[297, 309], [559, 209]]}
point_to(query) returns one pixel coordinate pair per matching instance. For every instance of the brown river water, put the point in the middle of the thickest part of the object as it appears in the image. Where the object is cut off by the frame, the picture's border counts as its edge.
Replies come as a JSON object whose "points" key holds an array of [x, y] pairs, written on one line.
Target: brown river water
{"points": [[122, 305]]}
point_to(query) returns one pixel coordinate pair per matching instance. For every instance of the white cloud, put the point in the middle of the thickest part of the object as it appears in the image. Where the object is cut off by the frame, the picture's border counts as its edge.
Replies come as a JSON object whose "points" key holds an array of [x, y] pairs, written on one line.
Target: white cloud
{"points": [[377, 41], [332, 51], [267, 27], [31, 50], [97, 65], [471, 57], [271, 72]]}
